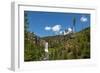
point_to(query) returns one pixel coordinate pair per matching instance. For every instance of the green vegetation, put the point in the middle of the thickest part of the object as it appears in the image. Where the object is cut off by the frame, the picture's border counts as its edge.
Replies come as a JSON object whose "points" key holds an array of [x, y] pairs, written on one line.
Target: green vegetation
{"points": [[71, 46], [74, 46], [33, 50]]}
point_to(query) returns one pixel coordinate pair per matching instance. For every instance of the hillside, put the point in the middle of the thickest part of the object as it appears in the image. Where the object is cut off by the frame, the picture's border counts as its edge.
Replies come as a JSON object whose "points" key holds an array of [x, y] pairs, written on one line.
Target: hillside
{"points": [[72, 46]]}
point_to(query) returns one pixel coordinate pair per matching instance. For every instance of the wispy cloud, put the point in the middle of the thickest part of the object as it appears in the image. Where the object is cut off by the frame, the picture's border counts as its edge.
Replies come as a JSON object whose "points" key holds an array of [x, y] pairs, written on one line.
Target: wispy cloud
{"points": [[83, 19], [56, 28], [47, 28], [70, 30], [61, 32]]}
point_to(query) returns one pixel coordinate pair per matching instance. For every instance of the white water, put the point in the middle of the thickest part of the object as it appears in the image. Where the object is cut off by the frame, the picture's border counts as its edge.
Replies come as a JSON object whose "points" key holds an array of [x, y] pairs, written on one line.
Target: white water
{"points": [[46, 47]]}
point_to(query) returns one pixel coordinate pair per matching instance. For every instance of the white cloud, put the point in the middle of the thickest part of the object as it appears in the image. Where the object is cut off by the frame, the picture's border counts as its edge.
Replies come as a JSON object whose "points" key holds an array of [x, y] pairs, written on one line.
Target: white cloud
{"points": [[56, 28], [60, 32], [83, 19], [47, 28], [69, 30]]}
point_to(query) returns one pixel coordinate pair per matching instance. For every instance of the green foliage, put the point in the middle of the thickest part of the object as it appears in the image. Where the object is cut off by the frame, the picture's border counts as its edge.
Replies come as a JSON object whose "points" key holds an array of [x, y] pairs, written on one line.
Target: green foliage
{"points": [[33, 51], [72, 46], [68, 47]]}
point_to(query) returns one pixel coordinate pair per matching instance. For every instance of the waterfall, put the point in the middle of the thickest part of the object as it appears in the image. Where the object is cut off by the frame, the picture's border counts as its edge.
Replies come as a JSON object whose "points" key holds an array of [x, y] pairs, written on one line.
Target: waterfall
{"points": [[46, 47], [46, 52]]}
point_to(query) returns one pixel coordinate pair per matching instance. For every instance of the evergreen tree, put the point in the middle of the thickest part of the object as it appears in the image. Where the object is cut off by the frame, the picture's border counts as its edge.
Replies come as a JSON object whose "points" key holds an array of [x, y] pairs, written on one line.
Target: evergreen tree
{"points": [[74, 24]]}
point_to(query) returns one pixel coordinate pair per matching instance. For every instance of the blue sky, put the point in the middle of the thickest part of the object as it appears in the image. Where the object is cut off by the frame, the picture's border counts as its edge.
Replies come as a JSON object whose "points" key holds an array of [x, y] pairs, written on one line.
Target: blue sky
{"points": [[51, 23]]}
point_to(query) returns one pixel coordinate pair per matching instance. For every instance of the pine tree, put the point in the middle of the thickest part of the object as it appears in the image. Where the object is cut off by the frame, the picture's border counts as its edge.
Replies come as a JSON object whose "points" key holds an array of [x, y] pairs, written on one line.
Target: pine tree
{"points": [[26, 24], [74, 24]]}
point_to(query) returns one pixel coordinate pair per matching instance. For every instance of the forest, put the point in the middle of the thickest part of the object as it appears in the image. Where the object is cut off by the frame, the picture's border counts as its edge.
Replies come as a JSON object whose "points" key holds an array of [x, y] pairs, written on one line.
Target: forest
{"points": [[61, 47]]}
